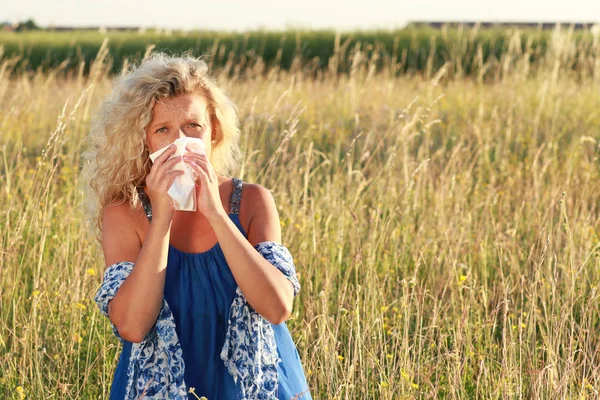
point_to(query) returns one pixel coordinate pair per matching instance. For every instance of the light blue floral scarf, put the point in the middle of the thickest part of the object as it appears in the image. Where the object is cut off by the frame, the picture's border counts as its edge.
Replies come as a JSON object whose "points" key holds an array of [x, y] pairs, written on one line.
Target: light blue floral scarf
{"points": [[156, 367]]}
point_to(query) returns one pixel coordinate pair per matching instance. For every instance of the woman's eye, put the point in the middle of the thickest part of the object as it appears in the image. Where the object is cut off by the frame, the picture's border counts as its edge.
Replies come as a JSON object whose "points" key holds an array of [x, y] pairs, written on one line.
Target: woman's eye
{"points": [[161, 129], [193, 123]]}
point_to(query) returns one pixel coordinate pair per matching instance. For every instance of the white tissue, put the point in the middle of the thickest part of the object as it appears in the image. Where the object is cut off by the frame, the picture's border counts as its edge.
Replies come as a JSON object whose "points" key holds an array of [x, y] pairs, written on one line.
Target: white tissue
{"points": [[183, 189]]}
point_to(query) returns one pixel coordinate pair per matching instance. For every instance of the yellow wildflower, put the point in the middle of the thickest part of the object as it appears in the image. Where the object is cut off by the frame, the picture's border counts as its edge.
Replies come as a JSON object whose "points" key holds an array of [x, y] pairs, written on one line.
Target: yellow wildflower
{"points": [[77, 338], [90, 272], [35, 292], [20, 392], [192, 390]]}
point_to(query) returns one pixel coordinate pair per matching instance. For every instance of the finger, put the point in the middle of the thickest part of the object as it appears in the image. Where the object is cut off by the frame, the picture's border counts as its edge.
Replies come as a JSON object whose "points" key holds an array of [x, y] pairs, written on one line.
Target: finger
{"points": [[211, 172], [200, 171], [175, 172], [168, 179], [204, 164], [195, 167], [195, 157], [162, 169], [170, 163], [171, 176], [192, 150], [158, 161], [165, 154]]}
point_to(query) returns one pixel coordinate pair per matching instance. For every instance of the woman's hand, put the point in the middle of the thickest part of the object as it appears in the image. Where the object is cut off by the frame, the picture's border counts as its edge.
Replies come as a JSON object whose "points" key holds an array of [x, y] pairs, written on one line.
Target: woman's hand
{"points": [[158, 182], [208, 197]]}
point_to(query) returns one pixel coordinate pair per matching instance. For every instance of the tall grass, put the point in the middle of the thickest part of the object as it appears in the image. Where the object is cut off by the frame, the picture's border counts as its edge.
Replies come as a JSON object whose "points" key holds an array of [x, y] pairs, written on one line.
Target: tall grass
{"points": [[445, 228]]}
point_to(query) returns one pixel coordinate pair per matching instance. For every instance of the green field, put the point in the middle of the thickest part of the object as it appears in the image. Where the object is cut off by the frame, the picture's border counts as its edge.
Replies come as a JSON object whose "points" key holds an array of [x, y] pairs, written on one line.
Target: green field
{"points": [[412, 49], [445, 226]]}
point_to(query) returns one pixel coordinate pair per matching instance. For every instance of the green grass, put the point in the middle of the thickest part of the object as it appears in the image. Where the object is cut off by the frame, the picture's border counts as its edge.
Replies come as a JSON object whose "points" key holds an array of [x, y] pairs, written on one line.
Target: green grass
{"points": [[445, 228]]}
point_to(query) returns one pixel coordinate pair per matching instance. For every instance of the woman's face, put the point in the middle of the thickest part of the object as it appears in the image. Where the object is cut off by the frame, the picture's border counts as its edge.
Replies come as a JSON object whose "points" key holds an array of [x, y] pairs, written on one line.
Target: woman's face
{"points": [[181, 116]]}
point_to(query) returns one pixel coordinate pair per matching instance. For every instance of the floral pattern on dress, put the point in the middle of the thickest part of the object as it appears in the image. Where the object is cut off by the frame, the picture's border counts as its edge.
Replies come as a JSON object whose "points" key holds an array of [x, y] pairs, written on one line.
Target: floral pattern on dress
{"points": [[250, 354], [156, 367], [250, 351]]}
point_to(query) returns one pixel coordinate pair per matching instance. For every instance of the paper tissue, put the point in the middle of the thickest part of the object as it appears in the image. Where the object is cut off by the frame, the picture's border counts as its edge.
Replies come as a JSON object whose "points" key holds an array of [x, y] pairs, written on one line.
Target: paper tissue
{"points": [[182, 191]]}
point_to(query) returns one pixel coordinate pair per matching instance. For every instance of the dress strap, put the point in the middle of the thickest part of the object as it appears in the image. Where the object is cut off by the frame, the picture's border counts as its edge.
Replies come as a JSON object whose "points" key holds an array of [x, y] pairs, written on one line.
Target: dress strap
{"points": [[145, 203], [236, 196]]}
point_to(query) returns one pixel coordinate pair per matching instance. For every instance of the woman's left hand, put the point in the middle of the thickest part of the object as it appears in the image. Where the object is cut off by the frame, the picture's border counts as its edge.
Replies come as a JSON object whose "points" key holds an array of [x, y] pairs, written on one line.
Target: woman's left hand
{"points": [[208, 198]]}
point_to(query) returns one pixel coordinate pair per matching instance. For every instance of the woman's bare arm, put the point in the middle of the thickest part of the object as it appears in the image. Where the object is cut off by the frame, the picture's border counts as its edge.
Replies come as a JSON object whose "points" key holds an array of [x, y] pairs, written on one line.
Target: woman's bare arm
{"points": [[266, 288], [138, 301]]}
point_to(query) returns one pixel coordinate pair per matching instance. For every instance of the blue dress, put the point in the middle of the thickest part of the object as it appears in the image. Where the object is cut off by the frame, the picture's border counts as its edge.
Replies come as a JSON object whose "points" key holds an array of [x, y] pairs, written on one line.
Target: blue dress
{"points": [[199, 288]]}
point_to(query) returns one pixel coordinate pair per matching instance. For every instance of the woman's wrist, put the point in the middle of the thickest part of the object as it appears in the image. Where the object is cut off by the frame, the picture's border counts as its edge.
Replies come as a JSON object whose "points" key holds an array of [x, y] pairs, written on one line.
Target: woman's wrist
{"points": [[217, 217], [161, 223]]}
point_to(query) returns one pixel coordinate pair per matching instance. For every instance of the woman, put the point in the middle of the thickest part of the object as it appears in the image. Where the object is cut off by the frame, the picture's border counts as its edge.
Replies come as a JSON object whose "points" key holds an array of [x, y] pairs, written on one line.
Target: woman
{"points": [[198, 299]]}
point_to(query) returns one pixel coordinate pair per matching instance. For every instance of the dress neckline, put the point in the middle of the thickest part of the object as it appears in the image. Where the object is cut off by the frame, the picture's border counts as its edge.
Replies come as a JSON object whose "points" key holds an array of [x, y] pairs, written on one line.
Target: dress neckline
{"points": [[193, 254]]}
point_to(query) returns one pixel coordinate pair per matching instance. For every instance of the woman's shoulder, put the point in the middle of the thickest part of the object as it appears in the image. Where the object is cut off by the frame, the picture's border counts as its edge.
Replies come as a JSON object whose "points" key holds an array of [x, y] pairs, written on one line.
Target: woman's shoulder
{"points": [[122, 213], [255, 192], [259, 208], [255, 200], [121, 227]]}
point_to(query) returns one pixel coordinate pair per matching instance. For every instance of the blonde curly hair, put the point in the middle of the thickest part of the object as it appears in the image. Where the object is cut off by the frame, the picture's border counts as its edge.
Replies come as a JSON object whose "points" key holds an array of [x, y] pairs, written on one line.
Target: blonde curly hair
{"points": [[117, 160]]}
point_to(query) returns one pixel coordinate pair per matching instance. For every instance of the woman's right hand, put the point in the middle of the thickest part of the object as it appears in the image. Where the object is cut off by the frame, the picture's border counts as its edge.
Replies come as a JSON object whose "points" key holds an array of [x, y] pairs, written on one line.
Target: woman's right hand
{"points": [[158, 182]]}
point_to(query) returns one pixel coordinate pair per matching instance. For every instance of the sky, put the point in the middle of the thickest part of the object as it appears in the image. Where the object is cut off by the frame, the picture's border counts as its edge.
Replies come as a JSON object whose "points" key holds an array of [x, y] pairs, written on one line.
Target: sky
{"points": [[239, 15]]}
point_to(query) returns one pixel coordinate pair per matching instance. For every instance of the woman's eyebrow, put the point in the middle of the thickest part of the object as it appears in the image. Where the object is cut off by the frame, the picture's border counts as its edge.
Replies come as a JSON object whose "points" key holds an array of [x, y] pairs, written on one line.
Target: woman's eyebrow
{"points": [[194, 117], [188, 119], [154, 126]]}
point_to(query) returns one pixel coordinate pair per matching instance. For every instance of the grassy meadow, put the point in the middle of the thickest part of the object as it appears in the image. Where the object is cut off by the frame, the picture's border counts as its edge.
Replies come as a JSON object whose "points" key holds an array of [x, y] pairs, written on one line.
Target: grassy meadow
{"points": [[445, 228]]}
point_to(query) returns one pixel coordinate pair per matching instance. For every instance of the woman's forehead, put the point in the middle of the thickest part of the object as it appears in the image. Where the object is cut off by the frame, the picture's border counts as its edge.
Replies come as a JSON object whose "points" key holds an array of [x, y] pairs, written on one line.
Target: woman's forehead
{"points": [[188, 105]]}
